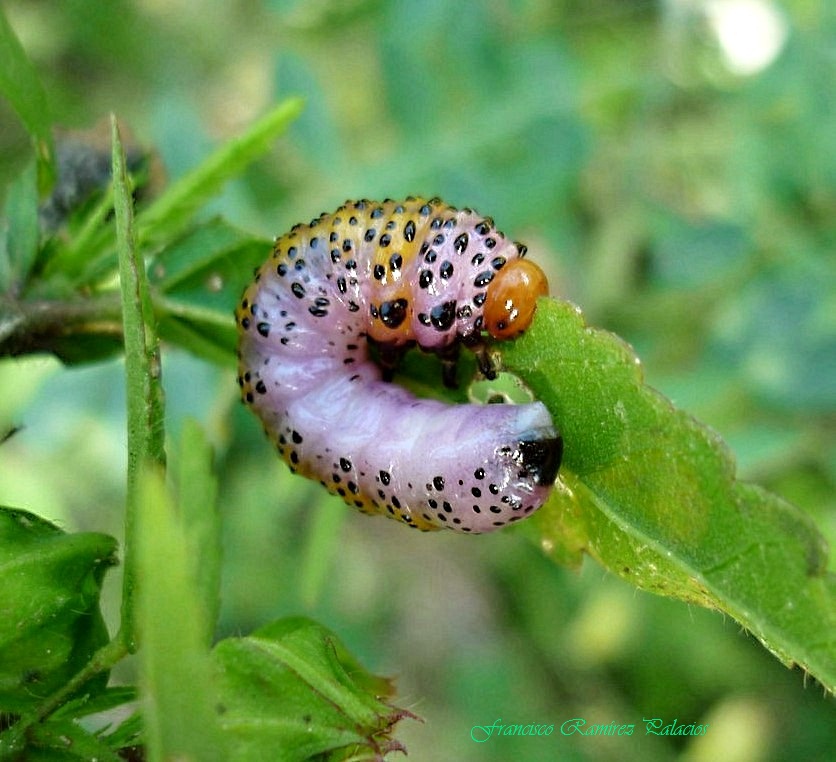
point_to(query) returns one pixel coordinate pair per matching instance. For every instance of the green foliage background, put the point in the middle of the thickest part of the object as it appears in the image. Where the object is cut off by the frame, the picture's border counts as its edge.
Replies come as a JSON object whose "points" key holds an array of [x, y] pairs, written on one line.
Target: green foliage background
{"points": [[688, 210]]}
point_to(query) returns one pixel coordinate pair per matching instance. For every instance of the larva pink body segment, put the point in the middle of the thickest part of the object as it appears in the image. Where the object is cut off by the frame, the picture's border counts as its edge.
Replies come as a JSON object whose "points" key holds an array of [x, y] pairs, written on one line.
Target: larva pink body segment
{"points": [[397, 273]]}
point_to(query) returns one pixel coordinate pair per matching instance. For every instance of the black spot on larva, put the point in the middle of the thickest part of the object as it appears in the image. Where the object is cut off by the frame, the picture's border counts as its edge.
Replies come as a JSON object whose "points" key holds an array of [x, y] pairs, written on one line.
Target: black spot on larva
{"points": [[482, 279], [314, 243], [294, 457], [320, 306], [377, 213], [260, 387], [245, 323], [464, 312], [393, 312], [395, 501], [484, 227], [446, 270], [477, 259], [298, 289], [345, 464], [352, 220], [385, 477], [385, 240], [370, 234], [263, 329], [438, 240], [476, 492], [395, 262], [424, 318], [292, 252], [373, 311], [479, 473], [490, 243], [334, 234], [392, 224], [522, 249], [341, 284], [335, 255], [378, 272], [347, 245], [498, 263], [436, 223], [281, 269], [443, 315], [479, 299], [409, 231], [460, 243], [447, 507], [299, 265], [430, 256], [424, 211], [351, 264], [438, 482], [353, 307], [433, 503], [493, 489], [296, 437]]}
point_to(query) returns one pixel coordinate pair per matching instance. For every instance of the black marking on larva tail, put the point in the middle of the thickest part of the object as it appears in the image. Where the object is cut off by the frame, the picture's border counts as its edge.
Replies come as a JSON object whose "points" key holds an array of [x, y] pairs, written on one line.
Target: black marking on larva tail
{"points": [[540, 457]]}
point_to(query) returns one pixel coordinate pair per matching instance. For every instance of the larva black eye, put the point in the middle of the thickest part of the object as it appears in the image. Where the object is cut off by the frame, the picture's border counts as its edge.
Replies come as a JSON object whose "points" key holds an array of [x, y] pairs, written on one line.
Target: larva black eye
{"points": [[396, 274]]}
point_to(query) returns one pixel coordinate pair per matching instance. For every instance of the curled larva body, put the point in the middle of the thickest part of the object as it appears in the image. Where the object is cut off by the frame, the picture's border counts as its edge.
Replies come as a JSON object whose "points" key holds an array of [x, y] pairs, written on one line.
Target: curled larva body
{"points": [[395, 273]]}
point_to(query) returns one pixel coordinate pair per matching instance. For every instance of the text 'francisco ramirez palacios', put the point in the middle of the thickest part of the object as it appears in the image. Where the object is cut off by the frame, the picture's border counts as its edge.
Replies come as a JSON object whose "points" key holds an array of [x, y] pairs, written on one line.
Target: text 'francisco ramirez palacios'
{"points": [[578, 726]]}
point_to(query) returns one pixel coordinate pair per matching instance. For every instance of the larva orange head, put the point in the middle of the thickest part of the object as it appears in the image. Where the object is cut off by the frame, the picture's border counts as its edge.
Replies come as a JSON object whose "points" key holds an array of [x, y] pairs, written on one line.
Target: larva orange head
{"points": [[511, 298]]}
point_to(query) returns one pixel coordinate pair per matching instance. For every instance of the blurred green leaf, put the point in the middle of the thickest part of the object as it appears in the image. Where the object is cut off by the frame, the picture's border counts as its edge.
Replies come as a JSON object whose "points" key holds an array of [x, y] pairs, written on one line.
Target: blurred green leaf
{"points": [[175, 677], [651, 494], [197, 281], [19, 231], [21, 86], [174, 208], [291, 691], [51, 623], [196, 500]]}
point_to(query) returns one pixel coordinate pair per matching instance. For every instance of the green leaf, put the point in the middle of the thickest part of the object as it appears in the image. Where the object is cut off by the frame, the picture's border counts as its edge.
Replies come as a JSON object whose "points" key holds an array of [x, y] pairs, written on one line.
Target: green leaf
{"points": [[175, 672], [146, 409], [20, 85], [51, 624], [651, 494], [63, 740], [196, 283], [176, 206], [292, 692]]}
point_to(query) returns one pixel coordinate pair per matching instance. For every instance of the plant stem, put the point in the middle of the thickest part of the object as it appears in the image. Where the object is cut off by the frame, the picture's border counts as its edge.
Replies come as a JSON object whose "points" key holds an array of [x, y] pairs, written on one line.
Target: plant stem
{"points": [[27, 327]]}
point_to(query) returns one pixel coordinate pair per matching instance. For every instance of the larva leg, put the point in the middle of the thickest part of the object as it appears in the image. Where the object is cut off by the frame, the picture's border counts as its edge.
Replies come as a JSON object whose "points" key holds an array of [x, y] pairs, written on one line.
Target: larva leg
{"points": [[449, 357], [389, 358]]}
